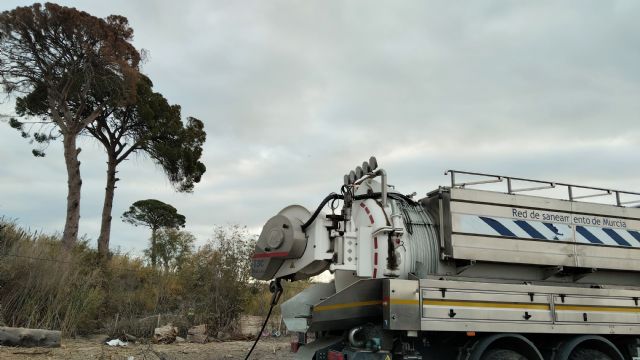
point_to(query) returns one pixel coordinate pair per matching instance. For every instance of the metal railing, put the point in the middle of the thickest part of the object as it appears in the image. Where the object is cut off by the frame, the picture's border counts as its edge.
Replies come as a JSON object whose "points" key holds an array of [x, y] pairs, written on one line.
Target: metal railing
{"points": [[547, 185]]}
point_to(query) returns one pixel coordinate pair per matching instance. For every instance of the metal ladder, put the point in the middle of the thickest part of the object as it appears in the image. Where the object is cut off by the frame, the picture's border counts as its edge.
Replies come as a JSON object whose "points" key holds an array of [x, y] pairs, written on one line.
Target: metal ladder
{"points": [[547, 185]]}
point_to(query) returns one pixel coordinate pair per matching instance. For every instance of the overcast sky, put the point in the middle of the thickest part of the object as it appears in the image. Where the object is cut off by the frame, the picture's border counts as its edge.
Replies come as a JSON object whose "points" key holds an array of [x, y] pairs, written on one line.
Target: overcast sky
{"points": [[294, 94]]}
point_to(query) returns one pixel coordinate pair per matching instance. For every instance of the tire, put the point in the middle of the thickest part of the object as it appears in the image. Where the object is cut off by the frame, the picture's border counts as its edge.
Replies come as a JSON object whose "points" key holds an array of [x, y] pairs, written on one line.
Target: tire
{"points": [[502, 354], [588, 354]]}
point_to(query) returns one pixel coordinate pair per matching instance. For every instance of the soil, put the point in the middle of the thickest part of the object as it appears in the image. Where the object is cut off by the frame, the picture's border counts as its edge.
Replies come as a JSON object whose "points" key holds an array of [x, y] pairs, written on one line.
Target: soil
{"points": [[81, 349]]}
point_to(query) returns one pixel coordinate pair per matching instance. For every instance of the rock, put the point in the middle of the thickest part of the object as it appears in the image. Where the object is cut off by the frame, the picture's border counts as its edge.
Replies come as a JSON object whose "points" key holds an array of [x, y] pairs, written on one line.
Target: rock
{"points": [[198, 334], [250, 325], [165, 334], [180, 339]]}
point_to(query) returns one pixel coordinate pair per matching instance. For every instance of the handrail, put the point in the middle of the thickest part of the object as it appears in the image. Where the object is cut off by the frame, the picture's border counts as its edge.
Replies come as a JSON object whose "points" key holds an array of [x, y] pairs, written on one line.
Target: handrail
{"points": [[547, 185]]}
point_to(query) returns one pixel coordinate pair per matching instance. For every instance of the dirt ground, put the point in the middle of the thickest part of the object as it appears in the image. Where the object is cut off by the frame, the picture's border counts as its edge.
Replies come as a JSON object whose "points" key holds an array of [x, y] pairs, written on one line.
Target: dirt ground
{"points": [[80, 349]]}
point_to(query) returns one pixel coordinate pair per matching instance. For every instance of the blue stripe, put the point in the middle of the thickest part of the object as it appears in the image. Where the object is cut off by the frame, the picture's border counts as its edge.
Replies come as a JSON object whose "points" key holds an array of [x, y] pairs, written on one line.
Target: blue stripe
{"points": [[589, 236], [553, 230], [497, 226], [530, 230], [616, 237], [635, 234]]}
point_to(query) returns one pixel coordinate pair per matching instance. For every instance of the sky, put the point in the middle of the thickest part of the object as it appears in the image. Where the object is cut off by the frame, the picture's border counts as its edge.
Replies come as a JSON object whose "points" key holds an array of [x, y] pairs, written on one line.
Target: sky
{"points": [[294, 94]]}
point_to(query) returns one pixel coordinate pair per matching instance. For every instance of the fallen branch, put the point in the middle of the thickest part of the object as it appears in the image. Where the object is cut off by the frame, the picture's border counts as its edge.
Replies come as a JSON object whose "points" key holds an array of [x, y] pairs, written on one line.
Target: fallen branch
{"points": [[24, 337], [43, 352]]}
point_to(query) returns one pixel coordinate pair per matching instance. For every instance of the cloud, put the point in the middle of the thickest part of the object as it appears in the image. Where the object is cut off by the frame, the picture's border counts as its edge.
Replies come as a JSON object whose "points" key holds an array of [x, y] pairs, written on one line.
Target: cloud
{"points": [[294, 94]]}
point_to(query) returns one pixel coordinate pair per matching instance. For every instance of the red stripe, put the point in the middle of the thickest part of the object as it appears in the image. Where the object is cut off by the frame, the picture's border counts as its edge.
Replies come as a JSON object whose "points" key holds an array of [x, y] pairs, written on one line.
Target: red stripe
{"points": [[375, 242], [362, 205], [366, 209], [375, 258], [270, 254], [375, 271], [371, 218]]}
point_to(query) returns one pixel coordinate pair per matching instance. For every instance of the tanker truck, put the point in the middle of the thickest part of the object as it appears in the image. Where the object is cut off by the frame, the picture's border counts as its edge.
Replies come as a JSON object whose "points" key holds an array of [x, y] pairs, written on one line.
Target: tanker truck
{"points": [[481, 269]]}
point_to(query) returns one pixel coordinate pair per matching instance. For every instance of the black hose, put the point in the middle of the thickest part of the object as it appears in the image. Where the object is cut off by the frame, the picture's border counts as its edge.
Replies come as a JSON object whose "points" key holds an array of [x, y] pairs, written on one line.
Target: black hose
{"points": [[264, 324], [334, 196], [276, 288], [392, 195], [324, 202]]}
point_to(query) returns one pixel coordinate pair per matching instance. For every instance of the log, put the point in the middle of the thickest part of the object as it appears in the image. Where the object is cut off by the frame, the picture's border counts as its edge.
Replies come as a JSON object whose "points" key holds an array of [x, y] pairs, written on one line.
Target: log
{"points": [[24, 337]]}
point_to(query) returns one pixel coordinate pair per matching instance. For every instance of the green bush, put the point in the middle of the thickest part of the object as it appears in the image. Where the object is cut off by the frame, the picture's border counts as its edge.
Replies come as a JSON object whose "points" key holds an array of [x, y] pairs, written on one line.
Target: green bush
{"points": [[217, 279]]}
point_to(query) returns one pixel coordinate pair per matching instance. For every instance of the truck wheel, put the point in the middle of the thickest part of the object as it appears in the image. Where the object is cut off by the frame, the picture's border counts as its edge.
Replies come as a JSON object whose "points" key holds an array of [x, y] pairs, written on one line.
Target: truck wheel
{"points": [[588, 354], [504, 354]]}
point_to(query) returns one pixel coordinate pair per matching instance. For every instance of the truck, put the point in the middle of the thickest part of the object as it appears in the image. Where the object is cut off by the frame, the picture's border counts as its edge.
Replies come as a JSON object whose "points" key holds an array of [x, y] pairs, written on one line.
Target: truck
{"points": [[489, 267]]}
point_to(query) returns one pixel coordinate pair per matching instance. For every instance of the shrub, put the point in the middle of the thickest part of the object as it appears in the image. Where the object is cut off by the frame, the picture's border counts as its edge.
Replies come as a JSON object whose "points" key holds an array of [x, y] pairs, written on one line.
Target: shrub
{"points": [[217, 278], [41, 286]]}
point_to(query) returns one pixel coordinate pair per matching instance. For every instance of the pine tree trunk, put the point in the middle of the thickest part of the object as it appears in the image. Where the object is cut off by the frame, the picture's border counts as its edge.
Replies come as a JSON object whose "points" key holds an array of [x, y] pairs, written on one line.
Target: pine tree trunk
{"points": [[74, 185], [107, 208], [153, 255]]}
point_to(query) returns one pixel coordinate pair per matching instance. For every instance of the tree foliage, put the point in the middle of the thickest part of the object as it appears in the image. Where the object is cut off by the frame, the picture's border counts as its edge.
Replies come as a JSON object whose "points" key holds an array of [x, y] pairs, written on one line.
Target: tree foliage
{"points": [[65, 67], [152, 127], [173, 248], [155, 215], [59, 58]]}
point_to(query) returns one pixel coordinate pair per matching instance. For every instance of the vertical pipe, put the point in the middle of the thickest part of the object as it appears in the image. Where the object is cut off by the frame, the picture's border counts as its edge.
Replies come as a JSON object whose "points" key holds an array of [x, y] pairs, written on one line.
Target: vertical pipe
{"points": [[570, 192], [383, 175]]}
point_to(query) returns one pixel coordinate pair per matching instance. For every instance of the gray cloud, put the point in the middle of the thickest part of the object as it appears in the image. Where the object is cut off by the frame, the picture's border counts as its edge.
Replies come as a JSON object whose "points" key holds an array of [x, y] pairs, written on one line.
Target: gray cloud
{"points": [[293, 94]]}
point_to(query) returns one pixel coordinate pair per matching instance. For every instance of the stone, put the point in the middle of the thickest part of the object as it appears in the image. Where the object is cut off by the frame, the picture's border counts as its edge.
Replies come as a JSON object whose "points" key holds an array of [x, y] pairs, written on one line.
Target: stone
{"points": [[165, 334], [198, 334]]}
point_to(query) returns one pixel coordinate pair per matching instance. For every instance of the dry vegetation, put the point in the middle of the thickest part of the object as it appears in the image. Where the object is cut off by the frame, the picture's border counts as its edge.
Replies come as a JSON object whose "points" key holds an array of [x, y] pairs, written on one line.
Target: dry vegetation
{"points": [[43, 287]]}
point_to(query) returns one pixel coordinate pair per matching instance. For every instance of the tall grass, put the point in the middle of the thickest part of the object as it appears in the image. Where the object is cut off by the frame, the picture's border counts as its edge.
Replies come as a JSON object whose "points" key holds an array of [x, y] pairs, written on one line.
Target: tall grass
{"points": [[42, 286]]}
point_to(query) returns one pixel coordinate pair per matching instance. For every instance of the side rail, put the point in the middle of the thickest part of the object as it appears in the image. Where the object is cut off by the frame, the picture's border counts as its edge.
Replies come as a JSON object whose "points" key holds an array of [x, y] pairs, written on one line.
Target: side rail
{"points": [[519, 185], [451, 305]]}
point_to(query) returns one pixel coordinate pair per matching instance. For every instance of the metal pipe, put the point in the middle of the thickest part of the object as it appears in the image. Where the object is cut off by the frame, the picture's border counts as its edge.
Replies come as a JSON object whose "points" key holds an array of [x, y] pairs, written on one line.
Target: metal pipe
{"points": [[352, 337], [591, 196], [383, 176], [479, 182], [570, 192], [629, 202], [550, 186]]}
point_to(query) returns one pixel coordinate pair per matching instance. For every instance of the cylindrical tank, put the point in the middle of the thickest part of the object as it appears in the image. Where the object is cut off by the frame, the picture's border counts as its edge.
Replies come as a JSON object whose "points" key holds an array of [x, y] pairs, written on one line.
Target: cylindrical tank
{"points": [[452, 232]]}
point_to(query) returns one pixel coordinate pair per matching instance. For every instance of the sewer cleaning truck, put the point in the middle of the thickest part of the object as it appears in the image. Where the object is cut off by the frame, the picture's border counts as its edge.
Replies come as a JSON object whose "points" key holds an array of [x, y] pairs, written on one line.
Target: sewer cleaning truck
{"points": [[480, 269]]}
